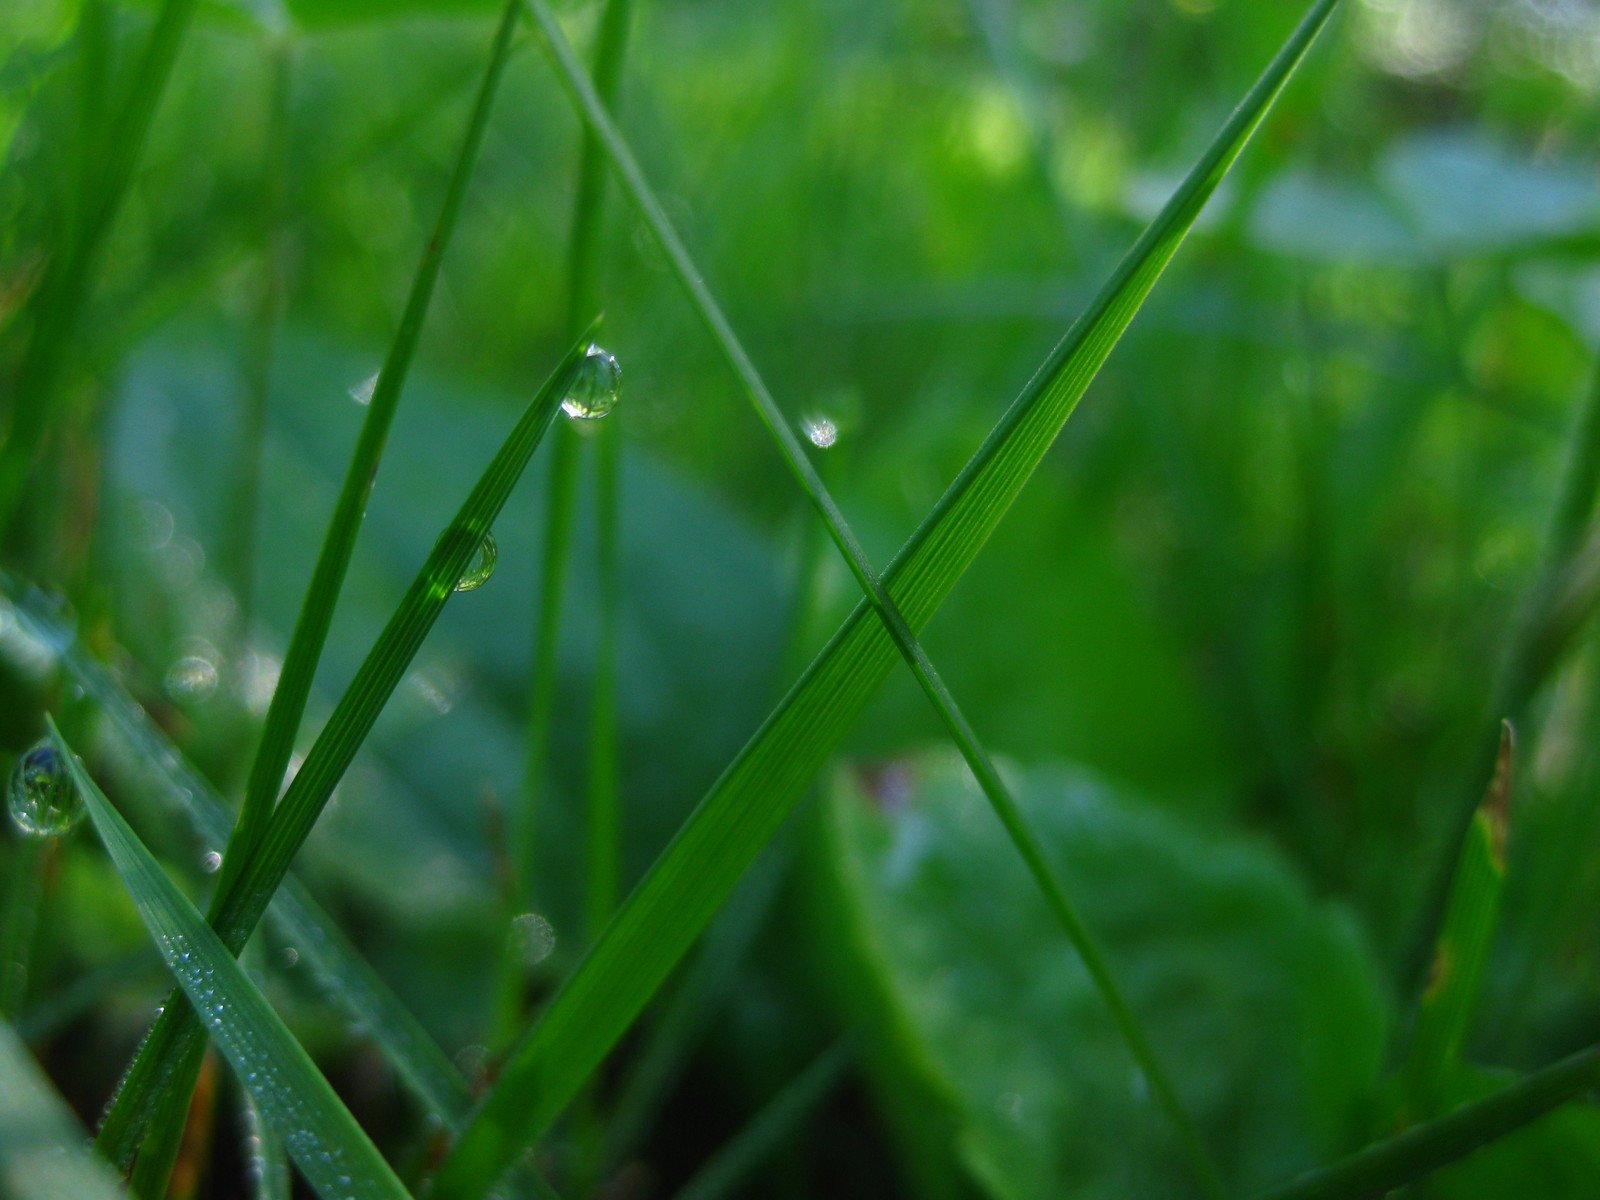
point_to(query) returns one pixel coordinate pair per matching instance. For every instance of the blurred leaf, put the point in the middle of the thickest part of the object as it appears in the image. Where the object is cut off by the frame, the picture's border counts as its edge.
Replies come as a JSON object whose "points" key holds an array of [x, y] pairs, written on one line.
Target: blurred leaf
{"points": [[1558, 1155], [43, 1155], [332, 1152], [1329, 219], [1261, 1003]]}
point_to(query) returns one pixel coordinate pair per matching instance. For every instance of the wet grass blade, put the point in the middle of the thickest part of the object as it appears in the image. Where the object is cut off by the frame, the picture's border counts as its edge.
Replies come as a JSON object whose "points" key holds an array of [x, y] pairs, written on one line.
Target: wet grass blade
{"points": [[120, 1134], [747, 804], [1454, 981], [1380, 1168], [330, 1148], [174, 1043], [42, 1151], [731, 1167]]}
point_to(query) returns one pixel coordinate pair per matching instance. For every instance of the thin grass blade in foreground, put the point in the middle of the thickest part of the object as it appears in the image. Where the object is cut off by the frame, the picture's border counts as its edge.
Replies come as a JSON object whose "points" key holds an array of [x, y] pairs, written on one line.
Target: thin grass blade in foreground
{"points": [[130, 1110], [42, 1151], [331, 1150], [1458, 961], [175, 1041], [747, 804], [1385, 1166]]}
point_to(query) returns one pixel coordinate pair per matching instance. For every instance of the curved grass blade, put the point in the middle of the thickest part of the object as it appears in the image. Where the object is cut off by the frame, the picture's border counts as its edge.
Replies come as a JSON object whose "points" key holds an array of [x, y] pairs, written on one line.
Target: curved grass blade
{"points": [[747, 804], [1385, 1166], [175, 1042], [729, 1169], [42, 1152], [119, 1136], [333, 1153], [1448, 1001]]}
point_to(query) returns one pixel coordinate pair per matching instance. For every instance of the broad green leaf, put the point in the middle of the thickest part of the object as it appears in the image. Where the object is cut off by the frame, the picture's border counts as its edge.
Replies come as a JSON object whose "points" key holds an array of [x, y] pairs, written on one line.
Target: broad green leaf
{"points": [[333, 1153], [42, 1151], [1262, 1004], [742, 811]]}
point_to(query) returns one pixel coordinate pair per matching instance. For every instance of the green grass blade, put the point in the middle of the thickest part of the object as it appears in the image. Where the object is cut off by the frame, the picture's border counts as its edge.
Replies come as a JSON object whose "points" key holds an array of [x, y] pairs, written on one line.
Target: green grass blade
{"points": [[602, 821], [1463, 950], [1380, 1168], [42, 1152], [333, 1153], [64, 291], [422, 1067], [267, 1158], [126, 1119], [747, 804], [174, 1043], [730, 1168], [1558, 604]]}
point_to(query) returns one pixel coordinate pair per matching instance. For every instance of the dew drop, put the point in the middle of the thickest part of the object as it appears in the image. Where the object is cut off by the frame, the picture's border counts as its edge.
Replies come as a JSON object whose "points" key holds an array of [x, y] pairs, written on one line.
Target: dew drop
{"points": [[191, 679], [820, 431], [210, 862], [481, 565], [533, 938], [597, 388], [361, 392], [42, 798]]}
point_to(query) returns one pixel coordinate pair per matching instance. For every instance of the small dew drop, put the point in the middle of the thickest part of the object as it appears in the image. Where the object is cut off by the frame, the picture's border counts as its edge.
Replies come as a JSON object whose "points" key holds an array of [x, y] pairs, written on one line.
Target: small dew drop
{"points": [[481, 565], [597, 388], [820, 431], [210, 862], [533, 938], [191, 679], [361, 392], [42, 798]]}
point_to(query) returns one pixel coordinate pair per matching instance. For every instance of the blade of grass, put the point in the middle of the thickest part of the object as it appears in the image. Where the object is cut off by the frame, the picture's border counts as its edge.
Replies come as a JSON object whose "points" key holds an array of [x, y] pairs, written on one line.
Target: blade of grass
{"points": [[126, 1119], [1380, 1168], [1447, 1003], [64, 291], [1558, 604], [333, 1153], [26, 861], [175, 1040], [42, 1147], [731, 1167], [421, 1066], [266, 1155], [744, 808]]}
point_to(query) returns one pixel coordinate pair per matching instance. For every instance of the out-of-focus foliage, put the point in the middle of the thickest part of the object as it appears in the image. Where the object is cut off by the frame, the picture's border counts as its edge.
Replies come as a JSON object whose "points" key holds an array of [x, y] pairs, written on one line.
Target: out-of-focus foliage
{"points": [[1260, 590]]}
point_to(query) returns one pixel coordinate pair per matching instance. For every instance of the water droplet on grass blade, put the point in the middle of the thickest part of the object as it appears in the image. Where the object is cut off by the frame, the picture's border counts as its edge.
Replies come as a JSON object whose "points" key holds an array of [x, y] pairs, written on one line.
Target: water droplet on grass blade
{"points": [[42, 798], [821, 432], [210, 862], [480, 566], [533, 939], [191, 679], [597, 388], [361, 392]]}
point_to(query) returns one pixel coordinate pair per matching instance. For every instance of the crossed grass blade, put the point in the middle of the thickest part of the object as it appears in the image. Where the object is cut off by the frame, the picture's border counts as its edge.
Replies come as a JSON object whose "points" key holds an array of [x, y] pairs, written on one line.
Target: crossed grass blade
{"points": [[744, 808], [174, 1045], [131, 1110], [330, 1148]]}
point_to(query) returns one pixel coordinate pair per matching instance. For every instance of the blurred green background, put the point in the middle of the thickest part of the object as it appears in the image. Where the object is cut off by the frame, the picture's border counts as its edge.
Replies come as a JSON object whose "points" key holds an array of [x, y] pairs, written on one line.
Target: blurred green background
{"points": [[1250, 613]]}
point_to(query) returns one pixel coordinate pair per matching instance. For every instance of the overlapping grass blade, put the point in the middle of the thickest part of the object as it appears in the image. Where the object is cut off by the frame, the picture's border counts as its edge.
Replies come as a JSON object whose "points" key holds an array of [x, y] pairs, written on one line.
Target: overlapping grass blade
{"points": [[1448, 1001], [330, 1148], [1384, 1166], [125, 1120], [175, 1040], [746, 805], [42, 1152], [728, 1170], [420, 1064]]}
